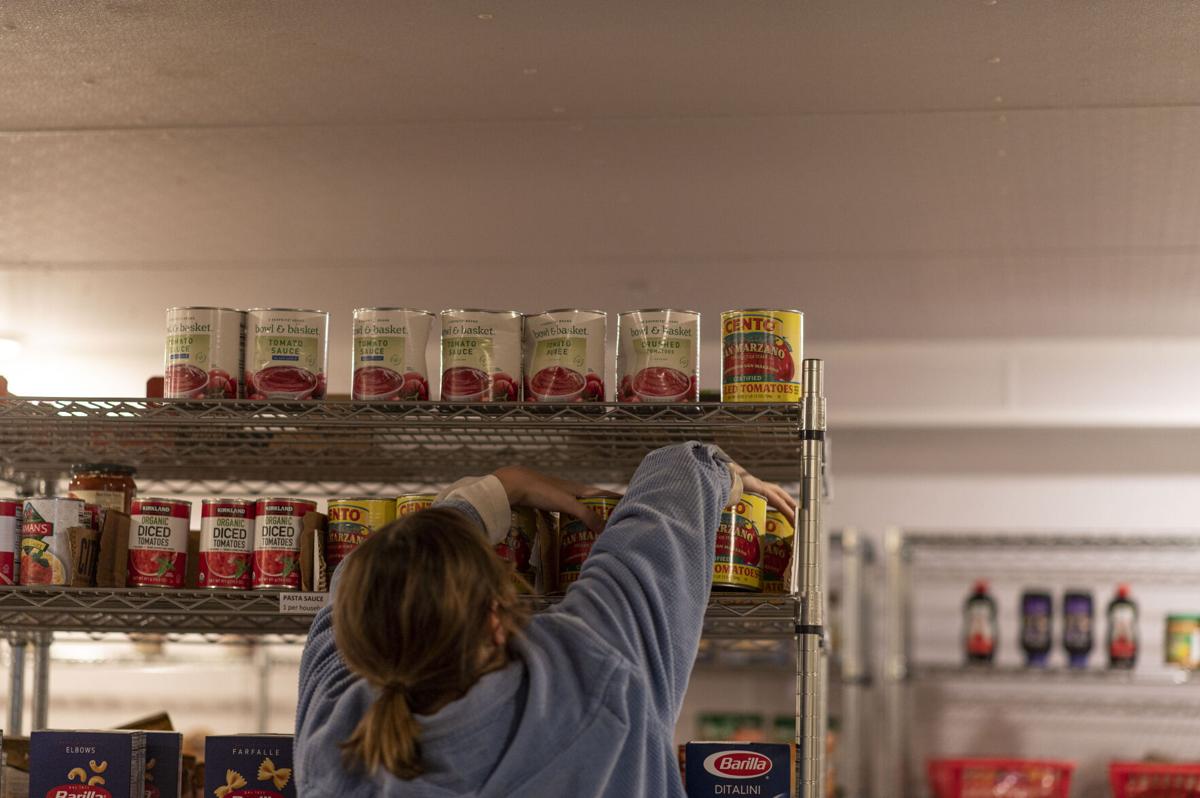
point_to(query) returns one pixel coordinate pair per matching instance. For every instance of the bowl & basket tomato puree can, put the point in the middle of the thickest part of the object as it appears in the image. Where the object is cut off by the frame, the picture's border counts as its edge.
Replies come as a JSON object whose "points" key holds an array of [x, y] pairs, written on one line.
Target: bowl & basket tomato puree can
{"points": [[203, 357], [761, 353], [779, 536], [658, 356], [45, 546], [738, 564], [226, 543], [158, 539], [286, 352], [10, 525], [389, 354], [564, 355], [517, 546], [277, 527], [481, 355], [409, 503], [575, 539], [350, 521]]}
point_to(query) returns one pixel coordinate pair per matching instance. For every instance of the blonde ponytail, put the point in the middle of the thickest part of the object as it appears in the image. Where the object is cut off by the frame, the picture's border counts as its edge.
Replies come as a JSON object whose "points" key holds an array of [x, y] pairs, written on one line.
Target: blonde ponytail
{"points": [[386, 737]]}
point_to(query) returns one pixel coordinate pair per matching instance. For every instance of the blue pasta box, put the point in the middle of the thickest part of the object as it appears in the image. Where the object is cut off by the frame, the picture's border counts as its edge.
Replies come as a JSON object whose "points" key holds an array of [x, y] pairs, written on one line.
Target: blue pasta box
{"points": [[87, 764], [756, 770], [249, 766], [164, 764]]}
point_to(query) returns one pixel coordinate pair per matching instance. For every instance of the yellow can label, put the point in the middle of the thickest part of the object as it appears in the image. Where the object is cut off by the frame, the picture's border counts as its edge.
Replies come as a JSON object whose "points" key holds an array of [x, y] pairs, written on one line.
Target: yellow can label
{"points": [[761, 353], [350, 521], [413, 503], [777, 552], [739, 555], [575, 539]]}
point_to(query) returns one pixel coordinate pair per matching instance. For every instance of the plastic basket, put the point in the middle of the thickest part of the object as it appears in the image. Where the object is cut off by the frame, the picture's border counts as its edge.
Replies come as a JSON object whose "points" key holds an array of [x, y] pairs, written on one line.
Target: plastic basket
{"points": [[1000, 778], [1149, 780]]}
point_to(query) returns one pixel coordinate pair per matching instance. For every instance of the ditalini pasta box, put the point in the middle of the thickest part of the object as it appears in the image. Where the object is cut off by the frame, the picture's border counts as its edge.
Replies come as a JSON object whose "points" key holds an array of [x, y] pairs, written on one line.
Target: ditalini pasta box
{"points": [[164, 764], [759, 770], [249, 766], [87, 764]]}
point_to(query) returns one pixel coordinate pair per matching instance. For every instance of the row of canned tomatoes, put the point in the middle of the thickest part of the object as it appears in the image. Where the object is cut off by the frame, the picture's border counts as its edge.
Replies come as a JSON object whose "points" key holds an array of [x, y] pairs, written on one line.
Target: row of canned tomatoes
{"points": [[485, 355]]}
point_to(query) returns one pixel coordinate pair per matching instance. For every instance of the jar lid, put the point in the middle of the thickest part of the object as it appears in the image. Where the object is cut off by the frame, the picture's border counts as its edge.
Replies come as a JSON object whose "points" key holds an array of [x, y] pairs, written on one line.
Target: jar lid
{"points": [[115, 469]]}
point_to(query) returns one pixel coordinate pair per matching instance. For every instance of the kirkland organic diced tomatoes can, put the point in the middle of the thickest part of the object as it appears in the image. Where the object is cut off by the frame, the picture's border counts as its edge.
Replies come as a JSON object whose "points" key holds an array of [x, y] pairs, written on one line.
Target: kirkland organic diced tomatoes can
{"points": [[409, 503], [45, 545], [575, 539], [10, 524], [158, 538], [350, 521], [564, 355], [761, 352], [226, 543], [277, 527], [738, 564], [658, 356], [389, 355]]}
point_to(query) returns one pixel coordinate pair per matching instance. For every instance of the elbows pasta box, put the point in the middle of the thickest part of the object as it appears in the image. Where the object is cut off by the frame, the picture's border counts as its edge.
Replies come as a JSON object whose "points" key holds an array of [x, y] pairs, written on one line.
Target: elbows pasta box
{"points": [[87, 764], [164, 764], [249, 766], [756, 770]]}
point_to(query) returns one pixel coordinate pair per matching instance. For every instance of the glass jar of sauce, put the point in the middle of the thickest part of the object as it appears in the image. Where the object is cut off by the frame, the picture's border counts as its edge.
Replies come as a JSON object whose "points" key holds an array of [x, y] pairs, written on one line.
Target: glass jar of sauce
{"points": [[107, 485]]}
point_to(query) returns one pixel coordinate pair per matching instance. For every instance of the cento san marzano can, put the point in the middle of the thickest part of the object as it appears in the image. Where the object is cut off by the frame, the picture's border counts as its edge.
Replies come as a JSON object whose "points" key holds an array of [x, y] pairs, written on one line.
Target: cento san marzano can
{"points": [[350, 521], [658, 356], [45, 546], [481, 355], [226, 543], [517, 546], [10, 525], [575, 538], [278, 524], [779, 537], [738, 564], [158, 537], [564, 355], [761, 353], [204, 351], [286, 352], [389, 354], [409, 503]]}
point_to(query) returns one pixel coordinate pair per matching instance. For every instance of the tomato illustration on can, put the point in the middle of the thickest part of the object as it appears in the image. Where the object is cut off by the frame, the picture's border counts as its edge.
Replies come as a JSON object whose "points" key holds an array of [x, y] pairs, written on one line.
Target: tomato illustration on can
{"points": [[738, 563]]}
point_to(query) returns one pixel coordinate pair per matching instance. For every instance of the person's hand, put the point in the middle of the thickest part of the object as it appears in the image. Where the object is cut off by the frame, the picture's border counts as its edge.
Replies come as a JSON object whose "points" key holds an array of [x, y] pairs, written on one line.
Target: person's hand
{"points": [[529, 488], [777, 497]]}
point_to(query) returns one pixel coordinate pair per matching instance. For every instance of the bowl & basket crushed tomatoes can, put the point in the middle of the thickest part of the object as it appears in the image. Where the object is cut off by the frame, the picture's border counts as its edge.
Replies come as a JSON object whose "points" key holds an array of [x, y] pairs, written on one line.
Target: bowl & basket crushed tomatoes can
{"points": [[658, 356], [564, 355], [761, 352], [286, 351], [203, 357], [10, 524], [517, 546], [226, 543], [481, 356], [779, 536], [277, 527], [575, 539], [409, 503], [738, 565], [45, 545], [389, 354], [350, 521], [158, 539]]}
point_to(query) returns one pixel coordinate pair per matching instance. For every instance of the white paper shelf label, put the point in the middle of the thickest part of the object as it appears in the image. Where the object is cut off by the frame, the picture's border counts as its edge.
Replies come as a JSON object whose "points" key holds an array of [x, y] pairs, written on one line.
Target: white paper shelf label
{"points": [[301, 603]]}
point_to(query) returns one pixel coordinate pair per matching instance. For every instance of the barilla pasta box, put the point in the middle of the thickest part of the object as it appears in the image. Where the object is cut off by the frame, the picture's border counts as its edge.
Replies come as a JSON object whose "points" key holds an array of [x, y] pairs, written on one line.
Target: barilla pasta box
{"points": [[757, 770], [164, 764], [87, 764], [249, 766]]}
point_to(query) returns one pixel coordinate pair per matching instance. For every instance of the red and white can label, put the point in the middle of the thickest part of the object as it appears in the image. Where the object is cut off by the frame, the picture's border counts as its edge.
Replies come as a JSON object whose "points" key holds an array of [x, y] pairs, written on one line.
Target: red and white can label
{"points": [[158, 534], [10, 521], [226, 543], [278, 524]]}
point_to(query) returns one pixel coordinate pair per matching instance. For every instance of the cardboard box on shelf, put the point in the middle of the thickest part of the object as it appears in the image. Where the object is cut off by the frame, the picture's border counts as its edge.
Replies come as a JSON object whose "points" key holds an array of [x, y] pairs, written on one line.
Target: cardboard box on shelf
{"points": [[85, 555], [114, 550], [313, 575]]}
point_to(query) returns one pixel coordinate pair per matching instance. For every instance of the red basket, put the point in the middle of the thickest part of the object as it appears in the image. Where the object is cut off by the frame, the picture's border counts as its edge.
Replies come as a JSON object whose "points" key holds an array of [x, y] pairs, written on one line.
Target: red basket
{"points": [[1148, 780], [1000, 778]]}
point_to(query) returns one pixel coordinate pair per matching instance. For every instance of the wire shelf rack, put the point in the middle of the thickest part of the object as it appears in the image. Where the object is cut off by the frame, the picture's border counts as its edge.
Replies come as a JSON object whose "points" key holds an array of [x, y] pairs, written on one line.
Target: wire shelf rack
{"points": [[390, 443], [1024, 677]]}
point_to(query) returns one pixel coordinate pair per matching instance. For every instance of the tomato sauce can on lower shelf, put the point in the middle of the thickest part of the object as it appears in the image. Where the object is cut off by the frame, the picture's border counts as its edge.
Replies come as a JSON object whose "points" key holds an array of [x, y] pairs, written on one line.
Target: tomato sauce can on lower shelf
{"points": [[286, 353], [761, 353], [350, 521], [576, 539], [409, 503], [226, 543], [779, 537], [10, 524], [45, 545], [658, 356], [204, 351], [517, 546], [738, 563], [564, 355], [158, 541], [481, 356], [389, 354], [278, 524]]}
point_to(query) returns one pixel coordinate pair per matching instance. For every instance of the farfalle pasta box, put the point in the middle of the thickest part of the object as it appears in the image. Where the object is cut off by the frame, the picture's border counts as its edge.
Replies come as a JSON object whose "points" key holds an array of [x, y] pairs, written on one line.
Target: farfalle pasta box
{"points": [[87, 764], [164, 764], [760, 770], [249, 766]]}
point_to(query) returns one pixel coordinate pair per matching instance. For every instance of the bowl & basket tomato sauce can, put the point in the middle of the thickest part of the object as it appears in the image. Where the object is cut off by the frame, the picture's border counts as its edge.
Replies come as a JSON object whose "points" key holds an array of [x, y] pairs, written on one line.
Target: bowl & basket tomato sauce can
{"points": [[481, 356], [204, 351], [45, 545], [658, 356], [278, 524], [158, 538], [226, 543], [761, 353], [389, 355], [564, 355], [286, 353], [738, 564], [575, 539], [350, 521]]}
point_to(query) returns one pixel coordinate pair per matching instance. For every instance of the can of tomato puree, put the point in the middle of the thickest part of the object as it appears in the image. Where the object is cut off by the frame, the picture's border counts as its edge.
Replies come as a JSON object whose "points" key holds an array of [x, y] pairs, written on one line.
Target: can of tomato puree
{"points": [[45, 545], [517, 546], [158, 538], [226, 543], [410, 503], [389, 354], [778, 538], [575, 539], [203, 357], [564, 355], [481, 356], [761, 352], [10, 525], [350, 521], [286, 351], [658, 356], [738, 564], [278, 524]]}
